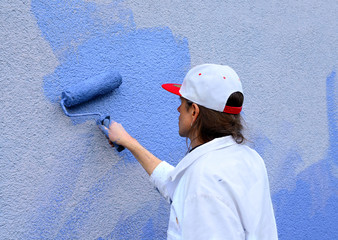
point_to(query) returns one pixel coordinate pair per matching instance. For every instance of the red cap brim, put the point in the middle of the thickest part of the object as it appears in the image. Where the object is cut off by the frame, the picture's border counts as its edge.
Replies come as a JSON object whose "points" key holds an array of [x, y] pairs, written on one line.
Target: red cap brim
{"points": [[173, 88]]}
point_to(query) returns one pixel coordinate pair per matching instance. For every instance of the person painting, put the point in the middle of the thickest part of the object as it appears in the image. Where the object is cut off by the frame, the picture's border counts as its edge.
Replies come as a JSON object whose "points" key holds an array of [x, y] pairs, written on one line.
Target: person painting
{"points": [[220, 189]]}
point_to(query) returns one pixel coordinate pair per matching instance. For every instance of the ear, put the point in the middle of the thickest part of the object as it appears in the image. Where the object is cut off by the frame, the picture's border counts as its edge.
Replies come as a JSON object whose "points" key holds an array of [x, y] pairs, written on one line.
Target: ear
{"points": [[195, 111]]}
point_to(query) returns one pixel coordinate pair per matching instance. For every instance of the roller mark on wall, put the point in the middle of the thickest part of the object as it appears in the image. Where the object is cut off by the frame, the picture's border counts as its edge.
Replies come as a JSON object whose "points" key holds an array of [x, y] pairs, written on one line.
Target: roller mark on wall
{"points": [[89, 38]]}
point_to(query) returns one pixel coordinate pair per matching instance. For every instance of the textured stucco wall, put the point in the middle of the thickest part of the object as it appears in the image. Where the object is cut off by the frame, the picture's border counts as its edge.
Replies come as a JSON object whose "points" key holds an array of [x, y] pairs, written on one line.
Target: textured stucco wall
{"points": [[59, 179]]}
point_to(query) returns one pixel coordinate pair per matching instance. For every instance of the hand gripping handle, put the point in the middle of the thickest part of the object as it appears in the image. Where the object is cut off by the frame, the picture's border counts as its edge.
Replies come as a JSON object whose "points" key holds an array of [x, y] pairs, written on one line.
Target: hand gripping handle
{"points": [[106, 123]]}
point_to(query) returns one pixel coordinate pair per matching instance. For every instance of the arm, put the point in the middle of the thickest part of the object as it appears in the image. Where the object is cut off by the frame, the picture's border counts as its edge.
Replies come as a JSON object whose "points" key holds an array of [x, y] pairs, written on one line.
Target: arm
{"points": [[157, 169], [117, 134]]}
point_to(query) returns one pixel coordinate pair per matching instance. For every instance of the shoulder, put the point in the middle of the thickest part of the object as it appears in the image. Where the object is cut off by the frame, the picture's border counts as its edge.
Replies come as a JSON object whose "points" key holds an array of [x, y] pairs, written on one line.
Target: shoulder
{"points": [[234, 157], [236, 166]]}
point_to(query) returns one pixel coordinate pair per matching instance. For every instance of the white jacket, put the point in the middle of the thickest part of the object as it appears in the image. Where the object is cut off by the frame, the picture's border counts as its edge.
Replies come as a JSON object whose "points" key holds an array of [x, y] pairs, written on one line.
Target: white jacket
{"points": [[218, 191]]}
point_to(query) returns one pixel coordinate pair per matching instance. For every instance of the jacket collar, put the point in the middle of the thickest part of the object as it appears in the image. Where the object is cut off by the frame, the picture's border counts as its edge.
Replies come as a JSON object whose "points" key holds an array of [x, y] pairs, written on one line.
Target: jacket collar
{"points": [[191, 157]]}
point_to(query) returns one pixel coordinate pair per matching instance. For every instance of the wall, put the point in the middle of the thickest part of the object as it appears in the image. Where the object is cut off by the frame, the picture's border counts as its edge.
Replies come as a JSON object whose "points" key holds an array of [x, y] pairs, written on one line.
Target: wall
{"points": [[59, 179]]}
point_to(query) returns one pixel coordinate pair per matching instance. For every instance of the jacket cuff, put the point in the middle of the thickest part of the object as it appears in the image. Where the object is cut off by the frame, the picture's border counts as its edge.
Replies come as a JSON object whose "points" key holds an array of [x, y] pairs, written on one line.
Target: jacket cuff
{"points": [[160, 178]]}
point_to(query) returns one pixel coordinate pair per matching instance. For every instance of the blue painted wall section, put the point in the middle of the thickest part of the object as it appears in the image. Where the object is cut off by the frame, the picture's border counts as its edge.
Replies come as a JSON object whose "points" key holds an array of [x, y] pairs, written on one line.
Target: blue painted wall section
{"points": [[85, 49], [60, 179], [146, 58], [309, 211]]}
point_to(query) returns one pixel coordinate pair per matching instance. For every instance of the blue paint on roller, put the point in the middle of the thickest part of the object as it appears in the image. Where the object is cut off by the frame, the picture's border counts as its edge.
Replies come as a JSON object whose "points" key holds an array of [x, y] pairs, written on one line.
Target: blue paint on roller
{"points": [[91, 88]]}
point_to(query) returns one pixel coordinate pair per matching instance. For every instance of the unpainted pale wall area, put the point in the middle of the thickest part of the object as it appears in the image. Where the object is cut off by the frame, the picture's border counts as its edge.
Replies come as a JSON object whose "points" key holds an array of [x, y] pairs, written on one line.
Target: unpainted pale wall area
{"points": [[59, 179]]}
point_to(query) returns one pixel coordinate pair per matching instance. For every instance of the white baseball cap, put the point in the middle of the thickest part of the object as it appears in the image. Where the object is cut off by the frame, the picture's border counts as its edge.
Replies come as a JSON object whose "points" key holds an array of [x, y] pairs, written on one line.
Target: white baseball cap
{"points": [[209, 85]]}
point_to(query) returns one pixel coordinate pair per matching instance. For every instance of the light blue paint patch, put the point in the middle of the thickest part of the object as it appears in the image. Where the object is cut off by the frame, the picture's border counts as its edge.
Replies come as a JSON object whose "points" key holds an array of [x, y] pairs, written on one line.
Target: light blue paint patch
{"points": [[260, 144], [131, 227], [86, 45], [65, 24], [80, 215], [309, 211], [291, 160], [53, 202], [296, 220], [128, 227], [148, 231]]}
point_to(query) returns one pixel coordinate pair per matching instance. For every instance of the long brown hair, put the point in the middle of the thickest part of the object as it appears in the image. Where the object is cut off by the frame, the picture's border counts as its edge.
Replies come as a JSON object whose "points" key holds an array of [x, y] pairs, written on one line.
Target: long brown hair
{"points": [[211, 124]]}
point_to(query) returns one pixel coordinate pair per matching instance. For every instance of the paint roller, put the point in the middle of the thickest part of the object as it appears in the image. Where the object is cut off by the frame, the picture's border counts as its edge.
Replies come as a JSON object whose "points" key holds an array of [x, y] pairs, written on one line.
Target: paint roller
{"points": [[89, 89]]}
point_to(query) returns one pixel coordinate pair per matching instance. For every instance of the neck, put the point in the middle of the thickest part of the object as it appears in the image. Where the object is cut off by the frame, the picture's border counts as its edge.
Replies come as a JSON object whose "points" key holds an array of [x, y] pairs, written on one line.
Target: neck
{"points": [[194, 142]]}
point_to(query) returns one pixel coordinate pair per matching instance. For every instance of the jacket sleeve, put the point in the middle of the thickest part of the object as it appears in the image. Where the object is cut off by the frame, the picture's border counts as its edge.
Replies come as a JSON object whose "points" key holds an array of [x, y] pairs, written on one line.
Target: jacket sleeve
{"points": [[208, 217], [160, 179]]}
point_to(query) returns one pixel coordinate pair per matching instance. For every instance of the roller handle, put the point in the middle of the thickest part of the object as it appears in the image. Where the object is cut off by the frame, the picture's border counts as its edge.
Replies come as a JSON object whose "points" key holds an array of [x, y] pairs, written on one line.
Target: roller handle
{"points": [[106, 123]]}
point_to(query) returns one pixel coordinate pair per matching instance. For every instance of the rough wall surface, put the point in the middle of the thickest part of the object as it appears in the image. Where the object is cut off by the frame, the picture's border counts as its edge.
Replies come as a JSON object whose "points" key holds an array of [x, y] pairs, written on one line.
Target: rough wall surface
{"points": [[59, 179]]}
